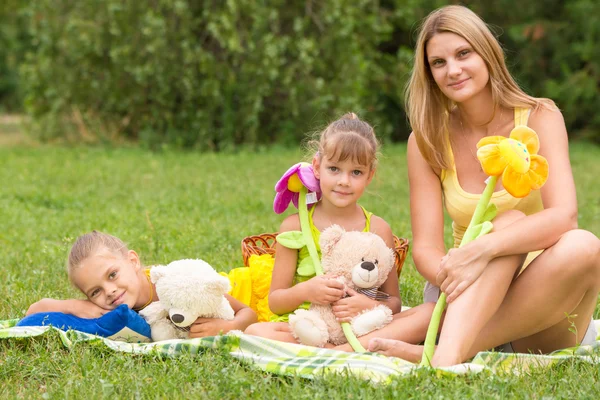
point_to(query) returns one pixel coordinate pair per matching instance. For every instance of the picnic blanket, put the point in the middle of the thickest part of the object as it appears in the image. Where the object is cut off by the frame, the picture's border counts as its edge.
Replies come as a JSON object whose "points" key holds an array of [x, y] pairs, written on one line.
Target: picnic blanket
{"points": [[304, 361]]}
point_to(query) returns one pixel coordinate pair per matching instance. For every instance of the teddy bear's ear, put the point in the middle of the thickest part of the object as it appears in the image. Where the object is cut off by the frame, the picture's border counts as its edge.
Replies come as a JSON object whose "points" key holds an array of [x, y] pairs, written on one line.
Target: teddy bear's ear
{"points": [[157, 272], [329, 238], [219, 284]]}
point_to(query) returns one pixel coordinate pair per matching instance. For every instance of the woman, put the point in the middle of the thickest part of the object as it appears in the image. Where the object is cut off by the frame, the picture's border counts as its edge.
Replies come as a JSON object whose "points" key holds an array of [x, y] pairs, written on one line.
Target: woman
{"points": [[527, 283]]}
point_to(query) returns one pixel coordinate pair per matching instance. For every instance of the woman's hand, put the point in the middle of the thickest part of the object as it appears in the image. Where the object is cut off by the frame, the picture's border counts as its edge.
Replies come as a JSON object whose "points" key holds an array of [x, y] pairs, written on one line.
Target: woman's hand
{"points": [[323, 290], [460, 268], [203, 327], [348, 307]]}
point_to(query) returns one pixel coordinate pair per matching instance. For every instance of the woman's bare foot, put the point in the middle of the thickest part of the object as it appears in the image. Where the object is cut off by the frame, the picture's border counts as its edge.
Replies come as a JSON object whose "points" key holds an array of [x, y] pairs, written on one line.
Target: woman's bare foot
{"points": [[396, 348]]}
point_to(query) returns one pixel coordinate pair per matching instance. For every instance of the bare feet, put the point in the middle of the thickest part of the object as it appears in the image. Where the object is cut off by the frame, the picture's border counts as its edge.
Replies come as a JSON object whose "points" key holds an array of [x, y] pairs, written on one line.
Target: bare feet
{"points": [[396, 348]]}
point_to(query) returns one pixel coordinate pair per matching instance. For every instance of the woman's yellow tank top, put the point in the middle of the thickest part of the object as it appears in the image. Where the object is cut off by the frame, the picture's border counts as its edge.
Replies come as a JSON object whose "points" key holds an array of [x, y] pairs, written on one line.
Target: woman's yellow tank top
{"points": [[461, 204]]}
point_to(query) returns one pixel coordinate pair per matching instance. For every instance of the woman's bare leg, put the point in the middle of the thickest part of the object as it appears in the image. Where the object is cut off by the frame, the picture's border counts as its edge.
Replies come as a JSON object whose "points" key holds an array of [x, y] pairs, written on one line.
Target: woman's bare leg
{"points": [[408, 326], [563, 279], [470, 312]]}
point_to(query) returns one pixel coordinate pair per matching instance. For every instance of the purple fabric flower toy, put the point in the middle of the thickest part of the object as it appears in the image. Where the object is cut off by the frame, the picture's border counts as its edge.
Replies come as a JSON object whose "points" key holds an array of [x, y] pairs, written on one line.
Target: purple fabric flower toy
{"points": [[289, 186]]}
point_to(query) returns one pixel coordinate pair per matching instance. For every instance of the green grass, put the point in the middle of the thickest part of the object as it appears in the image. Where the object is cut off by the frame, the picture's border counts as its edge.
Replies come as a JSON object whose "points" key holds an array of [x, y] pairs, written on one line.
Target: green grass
{"points": [[172, 205]]}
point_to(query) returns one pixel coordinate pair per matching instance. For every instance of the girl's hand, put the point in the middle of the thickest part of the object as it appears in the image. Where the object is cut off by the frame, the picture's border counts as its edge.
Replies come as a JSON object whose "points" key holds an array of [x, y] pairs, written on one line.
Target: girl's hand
{"points": [[78, 308], [203, 327], [348, 307], [460, 268], [85, 309], [324, 290]]}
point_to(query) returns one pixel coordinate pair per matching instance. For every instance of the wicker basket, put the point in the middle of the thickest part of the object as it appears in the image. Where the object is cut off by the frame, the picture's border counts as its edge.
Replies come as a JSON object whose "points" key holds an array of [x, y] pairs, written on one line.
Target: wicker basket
{"points": [[265, 244]]}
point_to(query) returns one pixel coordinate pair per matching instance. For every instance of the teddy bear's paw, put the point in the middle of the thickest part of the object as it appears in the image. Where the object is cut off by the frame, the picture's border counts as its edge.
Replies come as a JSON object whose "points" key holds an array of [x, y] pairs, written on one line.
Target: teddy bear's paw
{"points": [[154, 312], [165, 330], [308, 328], [371, 320]]}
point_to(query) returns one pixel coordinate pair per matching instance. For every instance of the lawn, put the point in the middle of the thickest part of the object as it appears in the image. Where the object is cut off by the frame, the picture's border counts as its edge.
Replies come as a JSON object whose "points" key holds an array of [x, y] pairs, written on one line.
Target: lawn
{"points": [[169, 205]]}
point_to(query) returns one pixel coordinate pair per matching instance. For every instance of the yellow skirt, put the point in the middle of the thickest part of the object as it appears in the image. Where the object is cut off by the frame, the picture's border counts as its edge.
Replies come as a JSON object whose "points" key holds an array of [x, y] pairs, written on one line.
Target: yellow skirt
{"points": [[251, 284]]}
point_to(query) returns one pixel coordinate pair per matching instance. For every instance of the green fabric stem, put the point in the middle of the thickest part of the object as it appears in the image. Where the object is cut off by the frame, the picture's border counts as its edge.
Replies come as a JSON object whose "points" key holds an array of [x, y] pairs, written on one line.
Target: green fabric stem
{"points": [[312, 250], [480, 225], [305, 227], [352, 340]]}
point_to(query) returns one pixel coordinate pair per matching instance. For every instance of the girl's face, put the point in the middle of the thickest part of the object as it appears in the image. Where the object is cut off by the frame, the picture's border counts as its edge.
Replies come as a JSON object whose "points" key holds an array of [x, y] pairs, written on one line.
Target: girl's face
{"points": [[342, 182], [457, 69], [109, 280]]}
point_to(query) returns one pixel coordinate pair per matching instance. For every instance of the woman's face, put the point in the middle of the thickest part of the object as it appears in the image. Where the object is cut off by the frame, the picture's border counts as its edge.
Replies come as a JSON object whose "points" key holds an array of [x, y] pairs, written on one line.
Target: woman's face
{"points": [[458, 70]]}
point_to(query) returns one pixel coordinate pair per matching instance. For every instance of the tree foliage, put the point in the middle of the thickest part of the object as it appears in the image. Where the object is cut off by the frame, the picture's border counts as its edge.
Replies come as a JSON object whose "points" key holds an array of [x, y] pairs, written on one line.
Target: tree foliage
{"points": [[216, 74]]}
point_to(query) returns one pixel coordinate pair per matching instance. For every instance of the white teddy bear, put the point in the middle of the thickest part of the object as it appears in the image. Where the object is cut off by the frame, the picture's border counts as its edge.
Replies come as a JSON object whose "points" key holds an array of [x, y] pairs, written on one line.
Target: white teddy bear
{"points": [[187, 289], [362, 261]]}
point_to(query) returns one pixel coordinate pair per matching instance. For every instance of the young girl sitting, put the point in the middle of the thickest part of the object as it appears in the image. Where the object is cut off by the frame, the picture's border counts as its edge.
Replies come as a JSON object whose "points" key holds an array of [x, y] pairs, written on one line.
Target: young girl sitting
{"points": [[109, 274], [345, 162]]}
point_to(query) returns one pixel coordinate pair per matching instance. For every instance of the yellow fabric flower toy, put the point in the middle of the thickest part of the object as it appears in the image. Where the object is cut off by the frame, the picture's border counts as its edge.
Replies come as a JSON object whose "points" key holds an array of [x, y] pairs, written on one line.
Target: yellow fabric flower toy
{"points": [[515, 159]]}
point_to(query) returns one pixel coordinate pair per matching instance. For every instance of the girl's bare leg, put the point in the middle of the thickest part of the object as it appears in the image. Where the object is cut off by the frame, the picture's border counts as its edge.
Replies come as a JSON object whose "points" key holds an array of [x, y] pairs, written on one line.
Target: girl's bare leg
{"points": [[272, 330], [410, 325]]}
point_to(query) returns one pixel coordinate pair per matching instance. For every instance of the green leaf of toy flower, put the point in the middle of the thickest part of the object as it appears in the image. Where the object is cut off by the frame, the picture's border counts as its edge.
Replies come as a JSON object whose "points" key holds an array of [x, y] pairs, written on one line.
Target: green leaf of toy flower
{"points": [[476, 231], [486, 227], [291, 239], [490, 212], [482, 229], [306, 267]]}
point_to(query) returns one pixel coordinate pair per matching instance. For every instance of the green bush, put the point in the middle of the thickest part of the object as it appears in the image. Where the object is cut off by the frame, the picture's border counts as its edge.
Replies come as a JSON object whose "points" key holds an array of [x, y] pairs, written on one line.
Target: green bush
{"points": [[13, 39], [205, 74], [214, 75]]}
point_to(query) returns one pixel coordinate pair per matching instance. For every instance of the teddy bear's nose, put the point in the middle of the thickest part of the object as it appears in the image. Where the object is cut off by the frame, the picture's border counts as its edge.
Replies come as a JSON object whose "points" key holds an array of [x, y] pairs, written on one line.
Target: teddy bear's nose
{"points": [[177, 318], [368, 265]]}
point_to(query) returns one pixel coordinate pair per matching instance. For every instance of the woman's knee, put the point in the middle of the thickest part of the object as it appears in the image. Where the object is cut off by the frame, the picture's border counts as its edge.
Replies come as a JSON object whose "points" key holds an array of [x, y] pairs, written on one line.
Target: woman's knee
{"points": [[580, 248], [585, 243]]}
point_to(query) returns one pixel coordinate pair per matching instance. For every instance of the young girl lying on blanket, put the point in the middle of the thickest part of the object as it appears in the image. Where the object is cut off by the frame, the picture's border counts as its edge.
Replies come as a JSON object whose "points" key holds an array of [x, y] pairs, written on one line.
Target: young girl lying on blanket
{"points": [[109, 274], [344, 164]]}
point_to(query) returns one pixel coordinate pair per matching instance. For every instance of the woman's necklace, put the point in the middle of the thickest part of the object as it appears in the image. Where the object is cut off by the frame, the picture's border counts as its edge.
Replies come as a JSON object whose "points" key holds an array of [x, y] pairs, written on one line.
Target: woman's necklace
{"points": [[462, 131], [151, 294]]}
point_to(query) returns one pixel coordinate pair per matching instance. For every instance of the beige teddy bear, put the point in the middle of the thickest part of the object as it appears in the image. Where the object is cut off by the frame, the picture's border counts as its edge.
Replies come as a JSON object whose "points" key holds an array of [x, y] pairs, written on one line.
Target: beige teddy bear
{"points": [[360, 260], [187, 289]]}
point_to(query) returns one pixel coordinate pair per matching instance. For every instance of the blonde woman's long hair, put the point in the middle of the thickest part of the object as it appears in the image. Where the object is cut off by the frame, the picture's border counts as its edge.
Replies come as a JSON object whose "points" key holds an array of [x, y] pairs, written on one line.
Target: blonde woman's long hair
{"points": [[428, 109]]}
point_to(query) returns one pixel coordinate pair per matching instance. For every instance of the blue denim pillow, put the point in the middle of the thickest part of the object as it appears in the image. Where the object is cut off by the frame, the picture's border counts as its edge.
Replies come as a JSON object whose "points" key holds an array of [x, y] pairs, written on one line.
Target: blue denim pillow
{"points": [[121, 324]]}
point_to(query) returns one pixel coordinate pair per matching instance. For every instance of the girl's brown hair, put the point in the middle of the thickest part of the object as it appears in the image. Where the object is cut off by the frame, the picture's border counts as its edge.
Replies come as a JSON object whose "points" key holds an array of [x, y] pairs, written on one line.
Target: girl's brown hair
{"points": [[347, 138], [90, 243], [429, 109]]}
